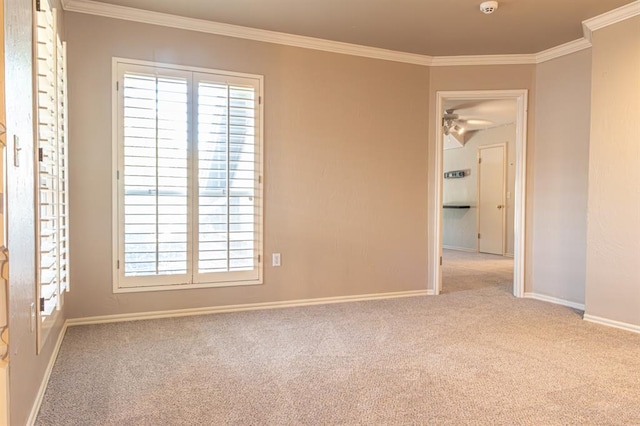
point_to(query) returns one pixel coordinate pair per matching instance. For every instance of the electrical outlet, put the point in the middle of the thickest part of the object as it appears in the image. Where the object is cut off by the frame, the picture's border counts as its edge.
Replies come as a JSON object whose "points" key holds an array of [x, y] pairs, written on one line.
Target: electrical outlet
{"points": [[275, 259], [32, 318]]}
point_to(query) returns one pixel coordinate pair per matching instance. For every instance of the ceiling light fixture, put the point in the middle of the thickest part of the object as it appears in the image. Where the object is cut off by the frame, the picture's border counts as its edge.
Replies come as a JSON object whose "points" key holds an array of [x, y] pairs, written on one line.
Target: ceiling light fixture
{"points": [[488, 7]]}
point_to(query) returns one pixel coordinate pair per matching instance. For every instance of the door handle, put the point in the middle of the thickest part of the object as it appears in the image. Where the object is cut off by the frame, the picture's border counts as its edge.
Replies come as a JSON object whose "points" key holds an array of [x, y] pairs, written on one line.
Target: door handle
{"points": [[499, 206]]}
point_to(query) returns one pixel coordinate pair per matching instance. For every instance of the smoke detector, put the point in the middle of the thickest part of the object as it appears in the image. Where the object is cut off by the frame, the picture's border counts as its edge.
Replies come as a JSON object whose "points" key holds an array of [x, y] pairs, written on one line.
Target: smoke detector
{"points": [[488, 7]]}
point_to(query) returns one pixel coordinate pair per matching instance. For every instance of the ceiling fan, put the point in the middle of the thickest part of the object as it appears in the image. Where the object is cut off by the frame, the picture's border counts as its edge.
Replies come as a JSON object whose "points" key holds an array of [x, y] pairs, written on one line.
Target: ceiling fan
{"points": [[452, 123]]}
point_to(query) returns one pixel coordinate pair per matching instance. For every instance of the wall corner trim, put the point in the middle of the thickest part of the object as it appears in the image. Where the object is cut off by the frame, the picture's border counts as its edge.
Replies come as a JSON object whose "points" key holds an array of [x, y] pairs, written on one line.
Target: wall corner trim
{"points": [[45, 380], [104, 319], [612, 323], [555, 300]]}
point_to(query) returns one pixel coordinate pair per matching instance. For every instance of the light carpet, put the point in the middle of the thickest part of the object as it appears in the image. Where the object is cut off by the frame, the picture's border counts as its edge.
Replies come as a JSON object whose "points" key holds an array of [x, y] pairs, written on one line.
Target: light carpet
{"points": [[463, 271], [469, 357]]}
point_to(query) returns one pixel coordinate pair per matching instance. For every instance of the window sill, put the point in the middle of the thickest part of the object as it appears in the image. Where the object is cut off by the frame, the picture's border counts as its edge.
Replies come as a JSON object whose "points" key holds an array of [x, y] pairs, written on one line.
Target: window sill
{"points": [[168, 287]]}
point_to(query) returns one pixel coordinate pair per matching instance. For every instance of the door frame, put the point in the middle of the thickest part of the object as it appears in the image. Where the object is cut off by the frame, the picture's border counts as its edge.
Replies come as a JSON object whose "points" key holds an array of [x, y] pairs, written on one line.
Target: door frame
{"points": [[504, 147], [434, 278]]}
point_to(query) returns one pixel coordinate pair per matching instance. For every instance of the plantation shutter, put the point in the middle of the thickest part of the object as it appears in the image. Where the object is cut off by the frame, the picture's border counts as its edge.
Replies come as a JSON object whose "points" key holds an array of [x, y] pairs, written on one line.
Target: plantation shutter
{"points": [[188, 178], [155, 181], [52, 218], [63, 170], [227, 202], [48, 179]]}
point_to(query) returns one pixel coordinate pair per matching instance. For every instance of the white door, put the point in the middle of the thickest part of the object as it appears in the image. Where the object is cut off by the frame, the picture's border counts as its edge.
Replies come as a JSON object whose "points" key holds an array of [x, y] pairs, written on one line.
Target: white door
{"points": [[491, 191]]}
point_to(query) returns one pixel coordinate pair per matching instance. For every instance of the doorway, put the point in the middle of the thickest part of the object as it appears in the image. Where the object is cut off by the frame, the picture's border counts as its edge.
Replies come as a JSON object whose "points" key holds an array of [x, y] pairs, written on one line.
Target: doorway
{"points": [[517, 194]]}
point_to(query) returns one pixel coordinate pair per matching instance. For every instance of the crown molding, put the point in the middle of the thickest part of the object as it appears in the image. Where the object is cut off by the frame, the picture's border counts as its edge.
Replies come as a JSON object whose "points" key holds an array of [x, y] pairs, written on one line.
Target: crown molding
{"points": [[612, 17], [445, 61], [563, 50], [155, 18], [93, 7]]}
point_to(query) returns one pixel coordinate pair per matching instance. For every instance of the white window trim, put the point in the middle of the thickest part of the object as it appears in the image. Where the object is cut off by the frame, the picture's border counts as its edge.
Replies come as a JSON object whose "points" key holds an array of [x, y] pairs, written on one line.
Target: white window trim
{"points": [[115, 182]]}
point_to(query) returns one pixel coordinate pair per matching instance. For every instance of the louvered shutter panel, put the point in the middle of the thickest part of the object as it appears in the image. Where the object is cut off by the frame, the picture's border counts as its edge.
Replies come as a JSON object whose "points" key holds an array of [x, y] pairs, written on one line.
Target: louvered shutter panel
{"points": [[52, 217], [48, 179], [156, 169], [227, 165], [63, 171]]}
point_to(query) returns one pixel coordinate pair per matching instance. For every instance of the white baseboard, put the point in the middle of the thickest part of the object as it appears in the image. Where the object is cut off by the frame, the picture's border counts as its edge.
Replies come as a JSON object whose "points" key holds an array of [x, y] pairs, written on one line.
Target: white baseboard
{"points": [[469, 250], [45, 380], [238, 308], [612, 323], [557, 301]]}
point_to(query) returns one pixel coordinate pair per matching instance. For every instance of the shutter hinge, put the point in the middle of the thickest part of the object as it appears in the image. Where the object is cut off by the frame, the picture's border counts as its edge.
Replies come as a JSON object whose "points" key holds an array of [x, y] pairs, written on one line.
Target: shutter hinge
{"points": [[118, 174], [479, 160], [42, 304], [117, 264], [478, 235], [259, 100], [440, 260], [260, 179], [117, 85], [259, 258], [40, 154], [38, 9]]}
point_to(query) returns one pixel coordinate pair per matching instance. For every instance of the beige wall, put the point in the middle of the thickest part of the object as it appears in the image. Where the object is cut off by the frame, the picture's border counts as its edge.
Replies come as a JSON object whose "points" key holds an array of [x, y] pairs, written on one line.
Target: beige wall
{"points": [[613, 236], [345, 155], [560, 172], [26, 368], [486, 77], [460, 226]]}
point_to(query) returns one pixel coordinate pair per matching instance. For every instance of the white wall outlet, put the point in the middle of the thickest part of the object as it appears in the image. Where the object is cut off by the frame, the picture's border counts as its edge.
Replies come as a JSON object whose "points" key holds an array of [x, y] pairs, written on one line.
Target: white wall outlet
{"points": [[32, 318], [275, 259]]}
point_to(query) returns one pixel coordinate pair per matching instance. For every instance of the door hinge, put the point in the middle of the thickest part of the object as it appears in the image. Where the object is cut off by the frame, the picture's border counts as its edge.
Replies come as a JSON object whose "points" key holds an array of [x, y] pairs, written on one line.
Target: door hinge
{"points": [[40, 154], [38, 9], [478, 235], [479, 160], [42, 304]]}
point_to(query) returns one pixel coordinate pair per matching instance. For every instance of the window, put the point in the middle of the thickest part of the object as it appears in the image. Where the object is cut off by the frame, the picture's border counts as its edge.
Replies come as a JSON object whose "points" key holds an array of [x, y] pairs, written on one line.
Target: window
{"points": [[52, 221], [188, 183]]}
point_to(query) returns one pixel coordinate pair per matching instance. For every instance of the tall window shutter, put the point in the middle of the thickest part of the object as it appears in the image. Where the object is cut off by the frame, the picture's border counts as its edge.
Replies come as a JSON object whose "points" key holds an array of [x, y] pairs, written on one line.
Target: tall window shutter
{"points": [[226, 171], [189, 190], [51, 169], [155, 175]]}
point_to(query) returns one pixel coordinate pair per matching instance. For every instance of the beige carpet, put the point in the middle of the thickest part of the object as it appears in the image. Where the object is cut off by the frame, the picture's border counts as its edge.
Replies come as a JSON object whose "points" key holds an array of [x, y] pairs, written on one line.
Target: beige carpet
{"points": [[462, 271], [472, 357]]}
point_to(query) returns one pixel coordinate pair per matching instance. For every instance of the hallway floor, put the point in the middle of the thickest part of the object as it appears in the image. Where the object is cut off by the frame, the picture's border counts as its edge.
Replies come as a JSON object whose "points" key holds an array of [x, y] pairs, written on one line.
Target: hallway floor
{"points": [[464, 271]]}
